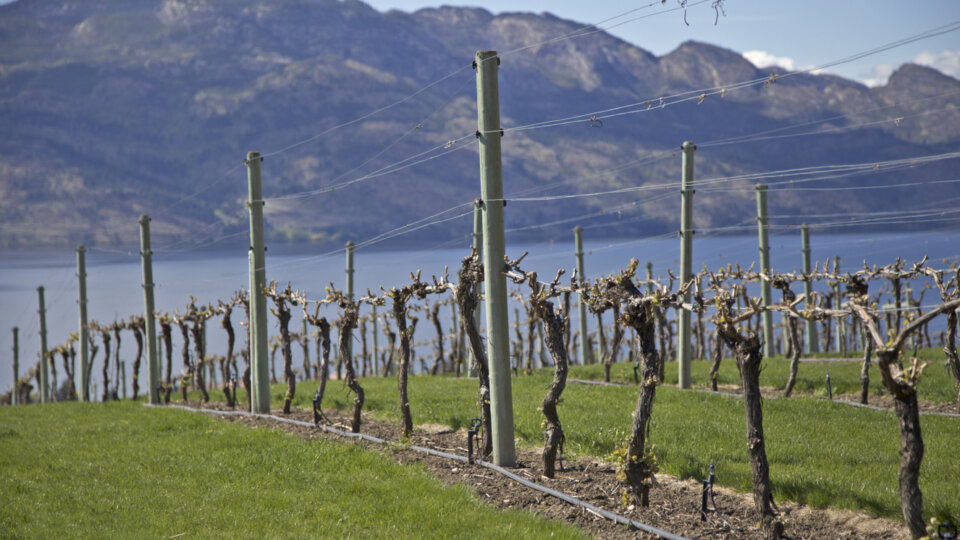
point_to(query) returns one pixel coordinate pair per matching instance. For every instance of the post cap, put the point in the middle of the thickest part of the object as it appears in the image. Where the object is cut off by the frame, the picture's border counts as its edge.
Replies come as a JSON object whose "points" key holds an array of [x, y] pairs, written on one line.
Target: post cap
{"points": [[349, 244], [760, 187], [144, 218], [577, 229], [80, 248], [688, 145]]}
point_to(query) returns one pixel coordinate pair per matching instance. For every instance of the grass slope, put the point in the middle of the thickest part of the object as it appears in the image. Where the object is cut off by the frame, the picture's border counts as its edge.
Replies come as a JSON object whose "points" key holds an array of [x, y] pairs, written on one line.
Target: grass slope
{"points": [[821, 453], [124, 470]]}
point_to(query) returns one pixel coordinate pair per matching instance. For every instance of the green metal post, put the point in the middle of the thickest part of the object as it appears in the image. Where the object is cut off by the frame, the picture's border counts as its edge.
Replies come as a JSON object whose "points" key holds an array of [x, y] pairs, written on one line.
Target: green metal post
{"points": [[766, 292], [841, 326], [84, 335], [350, 288], [478, 248], [260, 372], [376, 349], [582, 354], [686, 261], [491, 188], [16, 365], [811, 334], [44, 382], [649, 278], [149, 316]]}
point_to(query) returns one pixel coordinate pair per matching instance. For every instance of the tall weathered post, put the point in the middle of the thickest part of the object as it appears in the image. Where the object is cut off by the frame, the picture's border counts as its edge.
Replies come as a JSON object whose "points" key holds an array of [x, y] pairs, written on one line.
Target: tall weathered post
{"points": [[686, 261], [260, 368], [44, 369], [811, 326], [149, 320], [349, 287], [583, 354], [84, 334], [14, 395], [491, 189], [766, 291]]}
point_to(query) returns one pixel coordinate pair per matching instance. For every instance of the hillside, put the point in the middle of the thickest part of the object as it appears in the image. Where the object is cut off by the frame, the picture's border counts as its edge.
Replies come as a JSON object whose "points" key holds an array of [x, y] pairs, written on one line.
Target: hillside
{"points": [[121, 107]]}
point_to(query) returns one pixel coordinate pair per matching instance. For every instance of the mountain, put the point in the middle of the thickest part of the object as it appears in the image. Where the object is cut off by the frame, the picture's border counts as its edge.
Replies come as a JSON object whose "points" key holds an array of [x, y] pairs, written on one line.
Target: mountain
{"points": [[116, 108]]}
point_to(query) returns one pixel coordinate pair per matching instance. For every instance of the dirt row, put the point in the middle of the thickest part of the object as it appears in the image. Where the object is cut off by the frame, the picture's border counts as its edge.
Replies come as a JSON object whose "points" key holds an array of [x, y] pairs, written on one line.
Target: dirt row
{"points": [[675, 504]]}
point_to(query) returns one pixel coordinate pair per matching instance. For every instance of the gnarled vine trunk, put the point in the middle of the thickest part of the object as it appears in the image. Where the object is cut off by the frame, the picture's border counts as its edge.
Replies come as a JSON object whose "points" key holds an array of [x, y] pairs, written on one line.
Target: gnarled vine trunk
{"points": [[470, 276], [136, 327], [865, 369], [747, 350], [614, 350], [197, 331], [400, 316], [346, 325], [105, 336], [229, 386], [166, 332], [187, 376]]}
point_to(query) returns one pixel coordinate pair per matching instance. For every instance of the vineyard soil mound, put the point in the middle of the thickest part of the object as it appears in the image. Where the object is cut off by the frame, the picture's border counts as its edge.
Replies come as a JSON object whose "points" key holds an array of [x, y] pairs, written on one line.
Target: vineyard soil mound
{"points": [[675, 504]]}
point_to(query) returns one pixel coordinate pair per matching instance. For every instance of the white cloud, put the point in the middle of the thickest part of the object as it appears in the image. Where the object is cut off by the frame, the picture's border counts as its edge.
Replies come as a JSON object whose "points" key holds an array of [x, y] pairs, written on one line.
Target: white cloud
{"points": [[763, 59], [947, 62], [877, 76]]}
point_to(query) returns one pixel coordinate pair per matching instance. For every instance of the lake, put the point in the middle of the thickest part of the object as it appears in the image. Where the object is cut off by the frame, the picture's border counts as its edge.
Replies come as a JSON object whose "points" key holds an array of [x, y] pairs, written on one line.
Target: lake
{"points": [[114, 278]]}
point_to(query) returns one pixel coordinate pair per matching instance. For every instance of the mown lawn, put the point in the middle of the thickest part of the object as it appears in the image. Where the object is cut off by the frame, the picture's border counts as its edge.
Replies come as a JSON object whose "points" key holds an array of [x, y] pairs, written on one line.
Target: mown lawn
{"points": [[821, 453], [122, 470]]}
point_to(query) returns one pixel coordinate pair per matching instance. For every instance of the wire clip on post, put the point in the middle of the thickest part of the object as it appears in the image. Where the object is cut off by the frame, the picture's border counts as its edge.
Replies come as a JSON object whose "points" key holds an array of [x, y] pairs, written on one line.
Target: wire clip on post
{"points": [[471, 436], [708, 493]]}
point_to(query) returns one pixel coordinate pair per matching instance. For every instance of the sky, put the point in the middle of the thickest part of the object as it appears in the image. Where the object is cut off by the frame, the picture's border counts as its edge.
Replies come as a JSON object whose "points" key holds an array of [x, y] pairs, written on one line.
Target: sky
{"points": [[792, 34]]}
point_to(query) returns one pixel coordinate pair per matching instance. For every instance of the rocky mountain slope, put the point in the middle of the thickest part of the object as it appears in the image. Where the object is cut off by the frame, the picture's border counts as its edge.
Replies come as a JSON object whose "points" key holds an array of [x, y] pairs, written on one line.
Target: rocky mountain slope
{"points": [[121, 107]]}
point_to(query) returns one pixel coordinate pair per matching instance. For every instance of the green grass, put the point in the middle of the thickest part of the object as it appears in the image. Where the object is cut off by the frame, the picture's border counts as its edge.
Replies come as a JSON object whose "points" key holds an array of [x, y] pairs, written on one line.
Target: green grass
{"points": [[937, 385], [124, 470], [821, 453]]}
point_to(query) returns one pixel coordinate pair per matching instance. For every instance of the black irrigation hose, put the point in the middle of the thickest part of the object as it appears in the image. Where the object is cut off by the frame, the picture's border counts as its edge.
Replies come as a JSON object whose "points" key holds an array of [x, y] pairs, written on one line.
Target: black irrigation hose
{"points": [[562, 496], [733, 395]]}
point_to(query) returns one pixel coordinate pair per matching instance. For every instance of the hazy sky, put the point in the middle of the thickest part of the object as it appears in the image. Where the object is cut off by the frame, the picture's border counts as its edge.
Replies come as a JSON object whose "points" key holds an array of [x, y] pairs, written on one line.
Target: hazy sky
{"points": [[795, 33]]}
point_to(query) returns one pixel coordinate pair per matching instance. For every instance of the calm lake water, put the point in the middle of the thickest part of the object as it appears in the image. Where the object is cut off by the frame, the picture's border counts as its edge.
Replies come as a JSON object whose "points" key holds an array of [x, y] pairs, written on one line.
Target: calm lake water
{"points": [[114, 278]]}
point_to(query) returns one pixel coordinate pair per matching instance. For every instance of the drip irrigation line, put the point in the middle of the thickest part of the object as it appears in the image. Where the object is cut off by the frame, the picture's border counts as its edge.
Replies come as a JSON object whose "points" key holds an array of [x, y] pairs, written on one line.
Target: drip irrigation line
{"points": [[543, 489]]}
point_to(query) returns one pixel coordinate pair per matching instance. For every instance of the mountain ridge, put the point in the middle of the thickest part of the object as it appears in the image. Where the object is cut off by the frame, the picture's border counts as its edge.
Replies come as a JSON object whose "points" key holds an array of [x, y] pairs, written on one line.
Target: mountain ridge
{"points": [[123, 108]]}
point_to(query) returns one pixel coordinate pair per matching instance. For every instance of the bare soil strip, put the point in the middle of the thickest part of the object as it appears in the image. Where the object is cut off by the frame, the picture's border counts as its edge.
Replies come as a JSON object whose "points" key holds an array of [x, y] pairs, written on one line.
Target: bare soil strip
{"points": [[675, 504]]}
